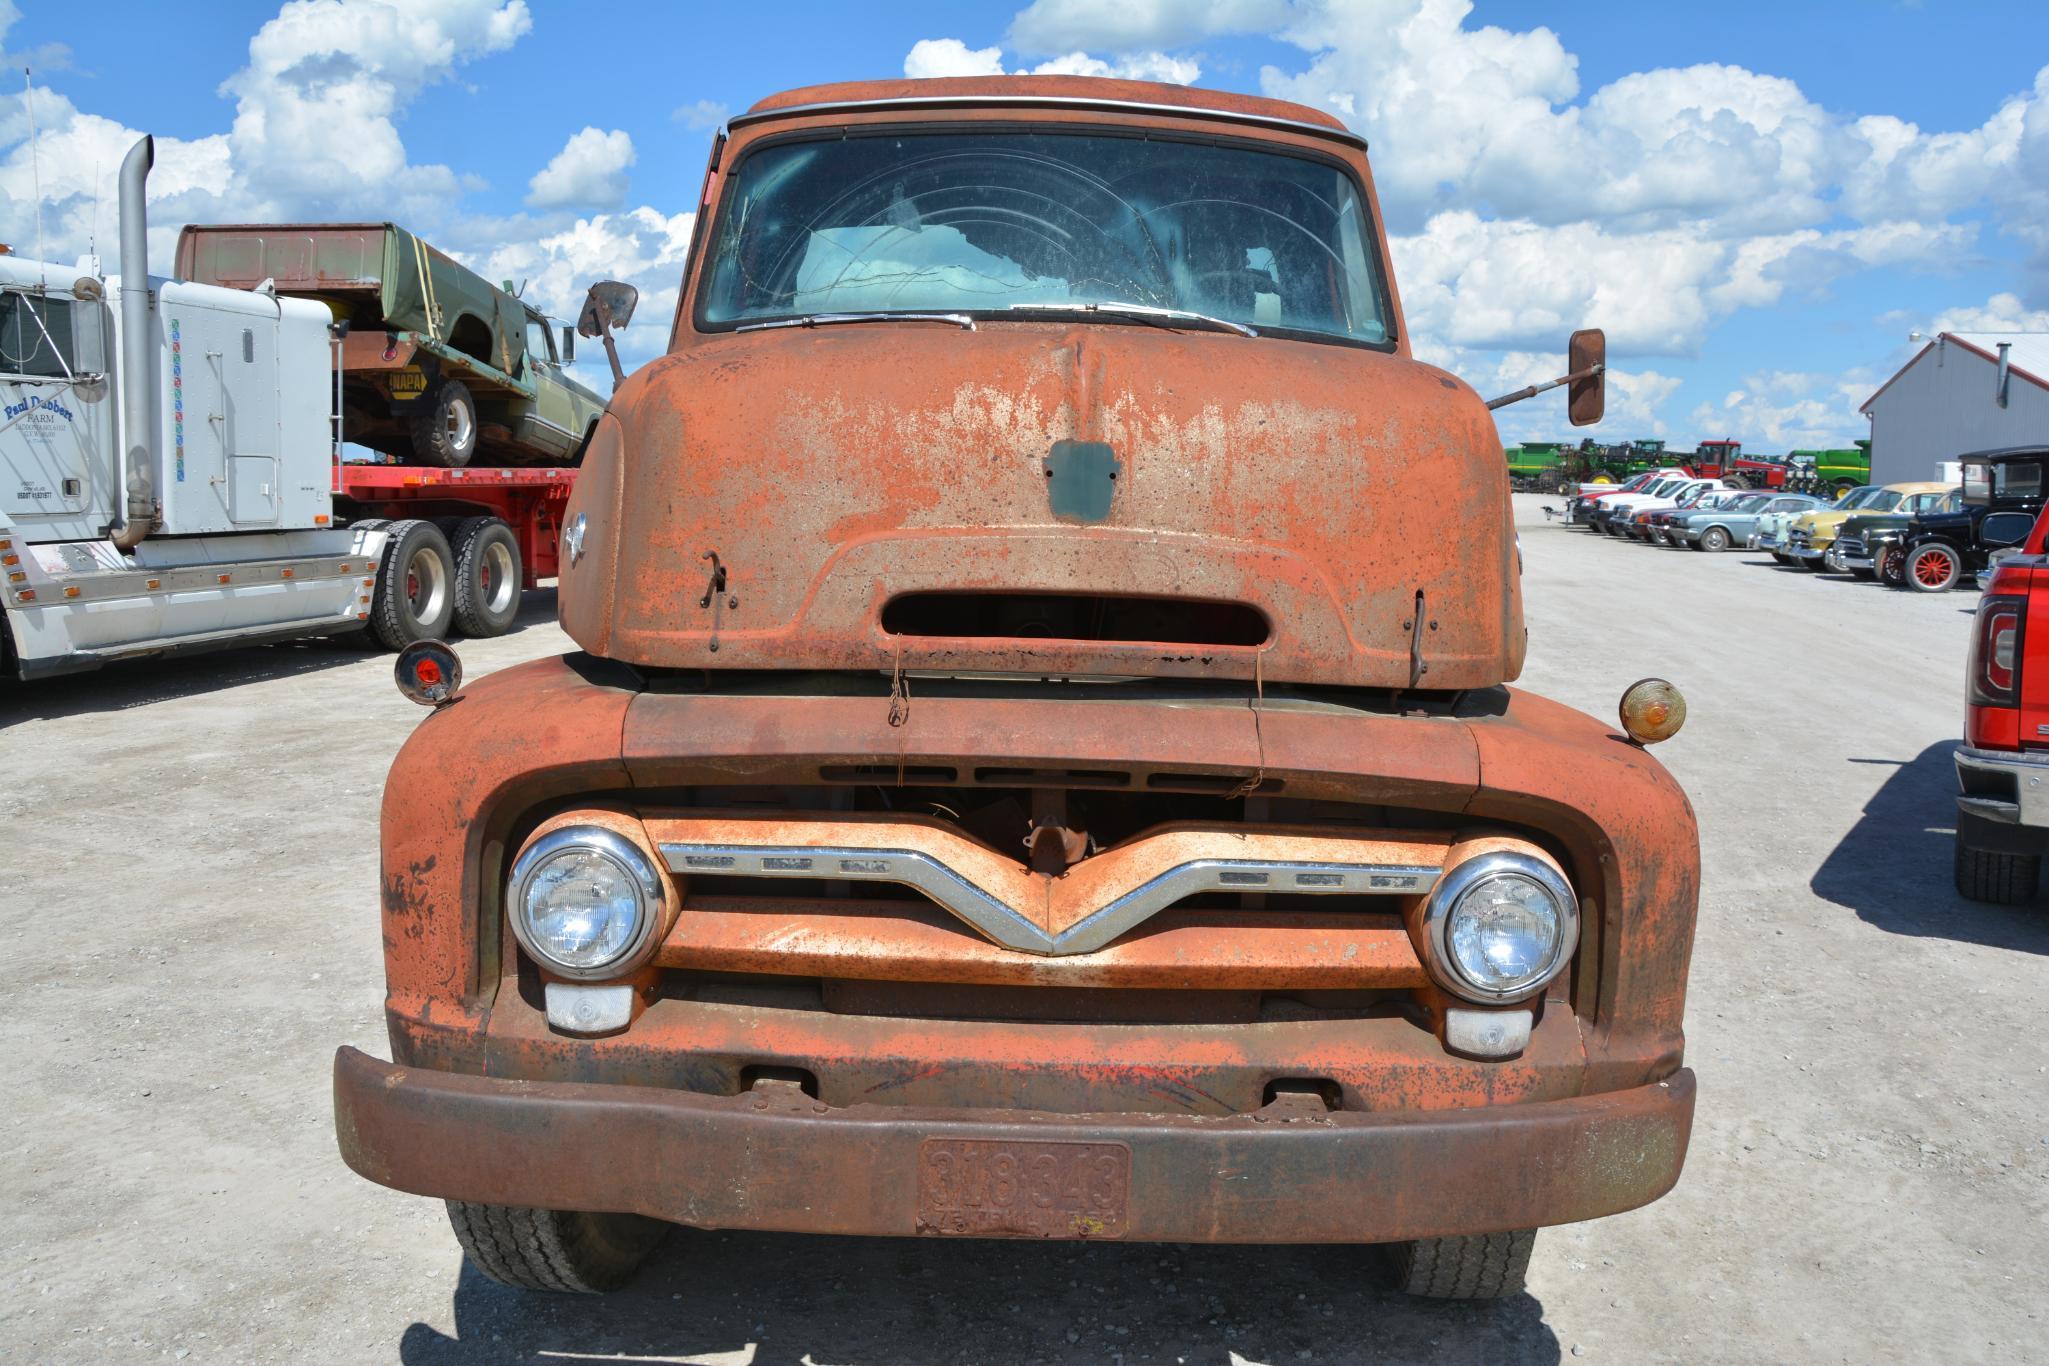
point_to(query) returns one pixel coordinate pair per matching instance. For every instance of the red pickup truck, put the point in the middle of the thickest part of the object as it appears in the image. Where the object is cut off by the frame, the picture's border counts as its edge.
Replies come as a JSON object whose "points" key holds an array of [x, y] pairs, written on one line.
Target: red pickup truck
{"points": [[2003, 765]]}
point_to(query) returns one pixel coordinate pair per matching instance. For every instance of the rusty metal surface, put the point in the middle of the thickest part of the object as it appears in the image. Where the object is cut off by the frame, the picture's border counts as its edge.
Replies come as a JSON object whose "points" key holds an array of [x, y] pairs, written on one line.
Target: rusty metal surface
{"points": [[1378, 1062], [1333, 488], [1284, 1174]]}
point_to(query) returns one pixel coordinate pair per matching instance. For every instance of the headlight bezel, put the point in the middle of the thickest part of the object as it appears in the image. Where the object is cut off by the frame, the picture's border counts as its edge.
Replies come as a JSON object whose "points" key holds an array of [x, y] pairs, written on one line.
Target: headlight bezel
{"points": [[1464, 877], [642, 874]]}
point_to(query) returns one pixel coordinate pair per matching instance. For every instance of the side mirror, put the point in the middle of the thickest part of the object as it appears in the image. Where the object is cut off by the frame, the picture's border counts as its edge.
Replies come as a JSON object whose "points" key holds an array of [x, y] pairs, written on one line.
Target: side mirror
{"points": [[1586, 370], [1587, 365], [609, 304], [568, 344]]}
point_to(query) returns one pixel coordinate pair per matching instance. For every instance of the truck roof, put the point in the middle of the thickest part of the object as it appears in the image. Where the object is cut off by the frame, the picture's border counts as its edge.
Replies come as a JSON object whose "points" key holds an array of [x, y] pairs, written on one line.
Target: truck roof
{"points": [[1049, 91]]}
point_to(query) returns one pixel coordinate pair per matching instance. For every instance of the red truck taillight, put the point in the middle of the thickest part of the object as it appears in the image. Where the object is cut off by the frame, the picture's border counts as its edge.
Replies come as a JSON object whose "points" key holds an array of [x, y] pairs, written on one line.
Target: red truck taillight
{"points": [[1995, 668]]}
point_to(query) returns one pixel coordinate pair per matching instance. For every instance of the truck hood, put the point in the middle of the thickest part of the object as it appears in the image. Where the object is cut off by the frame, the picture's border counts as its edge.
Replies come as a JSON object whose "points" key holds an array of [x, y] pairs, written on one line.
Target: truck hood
{"points": [[1177, 503]]}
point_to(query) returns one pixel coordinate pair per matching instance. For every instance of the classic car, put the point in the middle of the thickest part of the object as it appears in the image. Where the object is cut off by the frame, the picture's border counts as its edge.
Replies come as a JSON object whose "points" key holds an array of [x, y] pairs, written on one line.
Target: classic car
{"points": [[1770, 533], [2001, 496], [1654, 524], [1868, 545], [1809, 538], [1728, 523]]}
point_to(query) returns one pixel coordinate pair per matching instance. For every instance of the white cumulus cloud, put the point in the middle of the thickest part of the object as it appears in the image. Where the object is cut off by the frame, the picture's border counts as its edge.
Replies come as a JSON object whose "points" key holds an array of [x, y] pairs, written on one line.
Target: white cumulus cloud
{"points": [[589, 172]]}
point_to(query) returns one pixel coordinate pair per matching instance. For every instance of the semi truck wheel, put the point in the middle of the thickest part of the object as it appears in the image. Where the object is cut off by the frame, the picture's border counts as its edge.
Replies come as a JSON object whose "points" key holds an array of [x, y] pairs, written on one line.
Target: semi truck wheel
{"points": [[1485, 1266], [2000, 879], [1714, 538], [445, 430], [488, 577], [1933, 568], [565, 1251], [415, 594]]}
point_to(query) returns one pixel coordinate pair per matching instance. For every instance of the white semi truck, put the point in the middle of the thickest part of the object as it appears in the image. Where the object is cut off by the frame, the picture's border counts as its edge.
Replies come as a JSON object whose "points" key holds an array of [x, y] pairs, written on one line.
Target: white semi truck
{"points": [[171, 479]]}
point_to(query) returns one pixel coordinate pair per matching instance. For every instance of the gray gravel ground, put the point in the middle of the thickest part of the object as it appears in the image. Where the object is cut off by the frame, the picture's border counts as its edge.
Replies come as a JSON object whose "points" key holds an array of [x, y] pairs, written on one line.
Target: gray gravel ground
{"points": [[190, 872]]}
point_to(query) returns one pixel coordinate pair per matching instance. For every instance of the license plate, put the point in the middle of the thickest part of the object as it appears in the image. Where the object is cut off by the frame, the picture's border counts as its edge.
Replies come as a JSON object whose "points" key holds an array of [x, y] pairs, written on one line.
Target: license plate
{"points": [[407, 383], [980, 1189]]}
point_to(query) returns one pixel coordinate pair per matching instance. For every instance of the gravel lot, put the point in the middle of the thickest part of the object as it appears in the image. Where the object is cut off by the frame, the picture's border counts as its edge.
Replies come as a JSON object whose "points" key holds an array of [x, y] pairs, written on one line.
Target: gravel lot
{"points": [[193, 845]]}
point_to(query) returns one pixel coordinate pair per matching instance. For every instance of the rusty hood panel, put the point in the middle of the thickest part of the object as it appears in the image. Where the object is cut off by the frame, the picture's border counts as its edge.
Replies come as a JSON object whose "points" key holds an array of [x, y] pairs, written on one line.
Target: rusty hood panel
{"points": [[831, 470]]}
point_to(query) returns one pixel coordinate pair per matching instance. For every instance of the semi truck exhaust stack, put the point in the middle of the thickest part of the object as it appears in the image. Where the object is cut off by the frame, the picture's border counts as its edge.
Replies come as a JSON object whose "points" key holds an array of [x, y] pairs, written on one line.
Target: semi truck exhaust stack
{"points": [[138, 354]]}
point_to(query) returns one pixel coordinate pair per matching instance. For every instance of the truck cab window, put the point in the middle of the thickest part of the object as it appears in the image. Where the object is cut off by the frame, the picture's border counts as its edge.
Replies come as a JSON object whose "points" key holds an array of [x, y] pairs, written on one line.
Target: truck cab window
{"points": [[540, 341], [24, 347]]}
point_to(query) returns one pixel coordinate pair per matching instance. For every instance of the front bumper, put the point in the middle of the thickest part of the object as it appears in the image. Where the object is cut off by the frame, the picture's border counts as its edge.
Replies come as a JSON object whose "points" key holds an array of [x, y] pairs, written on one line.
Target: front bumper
{"points": [[1291, 1172]]}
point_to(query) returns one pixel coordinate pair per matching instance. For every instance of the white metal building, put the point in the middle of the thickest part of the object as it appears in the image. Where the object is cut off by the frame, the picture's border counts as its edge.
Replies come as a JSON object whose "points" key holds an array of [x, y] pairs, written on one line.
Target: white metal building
{"points": [[1964, 391]]}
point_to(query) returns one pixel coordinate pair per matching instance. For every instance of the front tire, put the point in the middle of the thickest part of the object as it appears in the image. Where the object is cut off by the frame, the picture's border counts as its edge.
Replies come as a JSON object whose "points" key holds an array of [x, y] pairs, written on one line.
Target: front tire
{"points": [[1892, 566], [415, 594], [488, 577], [562, 1251], [445, 430], [1997, 879], [1933, 568], [1483, 1266], [1714, 538]]}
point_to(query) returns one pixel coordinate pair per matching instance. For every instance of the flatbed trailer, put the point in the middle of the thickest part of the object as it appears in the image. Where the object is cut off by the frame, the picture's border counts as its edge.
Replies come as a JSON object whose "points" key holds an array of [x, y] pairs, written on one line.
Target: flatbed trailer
{"points": [[529, 501]]}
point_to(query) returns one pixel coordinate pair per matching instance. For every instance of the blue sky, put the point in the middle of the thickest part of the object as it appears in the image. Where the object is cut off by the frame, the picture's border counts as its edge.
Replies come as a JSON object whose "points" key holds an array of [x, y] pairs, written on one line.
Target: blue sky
{"points": [[1758, 201]]}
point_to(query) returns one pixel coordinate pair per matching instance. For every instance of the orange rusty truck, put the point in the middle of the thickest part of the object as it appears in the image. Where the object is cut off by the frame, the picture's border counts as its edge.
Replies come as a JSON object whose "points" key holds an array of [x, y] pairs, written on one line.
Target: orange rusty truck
{"points": [[1039, 758]]}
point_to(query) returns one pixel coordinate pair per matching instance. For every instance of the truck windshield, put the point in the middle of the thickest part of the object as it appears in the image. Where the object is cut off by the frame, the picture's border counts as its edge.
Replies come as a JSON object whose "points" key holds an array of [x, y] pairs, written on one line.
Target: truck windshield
{"points": [[979, 223]]}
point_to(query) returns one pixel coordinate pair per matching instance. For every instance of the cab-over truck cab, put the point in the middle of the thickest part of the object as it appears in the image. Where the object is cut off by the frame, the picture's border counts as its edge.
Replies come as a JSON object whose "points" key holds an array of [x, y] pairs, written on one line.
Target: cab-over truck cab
{"points": [[1040, 758]]}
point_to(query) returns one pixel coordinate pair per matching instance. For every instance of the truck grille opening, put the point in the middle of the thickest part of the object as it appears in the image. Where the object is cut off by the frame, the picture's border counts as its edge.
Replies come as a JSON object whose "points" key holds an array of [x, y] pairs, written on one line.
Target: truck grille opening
{"points": [[1076, 616]]}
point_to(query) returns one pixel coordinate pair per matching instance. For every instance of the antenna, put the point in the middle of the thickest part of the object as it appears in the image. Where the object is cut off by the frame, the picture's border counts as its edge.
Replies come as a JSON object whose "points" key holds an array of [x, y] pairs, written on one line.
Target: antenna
{"points": [[28, 96]]}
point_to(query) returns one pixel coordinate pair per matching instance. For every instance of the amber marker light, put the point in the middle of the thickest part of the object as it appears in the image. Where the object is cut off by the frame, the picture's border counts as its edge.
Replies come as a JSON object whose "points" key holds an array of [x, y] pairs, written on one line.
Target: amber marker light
{"points": [[428, 672], [1652, 710]]}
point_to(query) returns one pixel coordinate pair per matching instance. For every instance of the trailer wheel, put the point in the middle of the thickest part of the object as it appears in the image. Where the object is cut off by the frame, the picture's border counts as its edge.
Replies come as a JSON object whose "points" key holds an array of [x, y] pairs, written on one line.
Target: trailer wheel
{"points": [[415, 595], [1485, 1266], [445, 430], [1995, 878], [566, 1251], [488, 577]]}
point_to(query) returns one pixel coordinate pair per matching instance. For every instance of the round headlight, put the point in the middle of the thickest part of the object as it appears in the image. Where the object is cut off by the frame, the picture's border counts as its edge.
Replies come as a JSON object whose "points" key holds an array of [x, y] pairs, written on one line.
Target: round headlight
{"points": [[584, 901], [1500, 926]]}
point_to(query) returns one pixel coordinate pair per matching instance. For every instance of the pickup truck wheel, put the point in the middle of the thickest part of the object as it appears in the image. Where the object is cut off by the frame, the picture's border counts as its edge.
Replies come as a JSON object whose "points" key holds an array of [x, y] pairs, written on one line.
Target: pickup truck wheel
{"points": [[566, 1251], [445, 429], [488, 577], [1714, 538], [415, 594], [1933, 568], [1999, 879], [1484, 1266]]}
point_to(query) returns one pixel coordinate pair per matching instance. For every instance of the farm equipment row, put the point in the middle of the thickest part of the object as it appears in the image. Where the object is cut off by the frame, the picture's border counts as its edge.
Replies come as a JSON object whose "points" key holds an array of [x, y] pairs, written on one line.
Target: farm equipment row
{"points": [[1555, 467]]}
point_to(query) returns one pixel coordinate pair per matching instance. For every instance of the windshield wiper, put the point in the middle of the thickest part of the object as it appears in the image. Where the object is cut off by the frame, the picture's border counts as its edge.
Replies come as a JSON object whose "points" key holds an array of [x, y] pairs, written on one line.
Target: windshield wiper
{"points": [[1151, 313], [960, 320]]}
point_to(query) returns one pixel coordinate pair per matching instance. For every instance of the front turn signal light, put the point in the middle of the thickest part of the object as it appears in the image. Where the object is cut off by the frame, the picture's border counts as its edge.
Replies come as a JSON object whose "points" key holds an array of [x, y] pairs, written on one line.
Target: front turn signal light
{"points": [[428, 673], [1652, 710]]}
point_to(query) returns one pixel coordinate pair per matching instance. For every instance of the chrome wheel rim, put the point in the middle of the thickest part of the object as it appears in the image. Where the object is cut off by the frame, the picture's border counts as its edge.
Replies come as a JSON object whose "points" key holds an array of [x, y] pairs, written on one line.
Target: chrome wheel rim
{"points": [[495, 578]]}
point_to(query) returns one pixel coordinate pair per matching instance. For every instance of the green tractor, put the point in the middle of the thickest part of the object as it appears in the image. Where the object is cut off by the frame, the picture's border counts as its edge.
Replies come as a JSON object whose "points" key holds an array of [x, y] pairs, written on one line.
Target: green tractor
{"points": [[1537, 467], [1835, 472]]}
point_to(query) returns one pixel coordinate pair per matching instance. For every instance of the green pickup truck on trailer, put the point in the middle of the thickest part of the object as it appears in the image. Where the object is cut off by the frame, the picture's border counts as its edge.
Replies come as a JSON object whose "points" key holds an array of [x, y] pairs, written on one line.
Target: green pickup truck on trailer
{"points": [[438, 365]]}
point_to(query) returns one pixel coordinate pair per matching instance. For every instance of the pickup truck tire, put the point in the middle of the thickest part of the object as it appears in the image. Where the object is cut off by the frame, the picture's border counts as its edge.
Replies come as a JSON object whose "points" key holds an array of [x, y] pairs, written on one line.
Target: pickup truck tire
{"points": [[445, 429], [415, 594], [1995, 878], [1933, 568], [1714, 538], [1484, 1266], [566, 1251], [488, 577]]}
